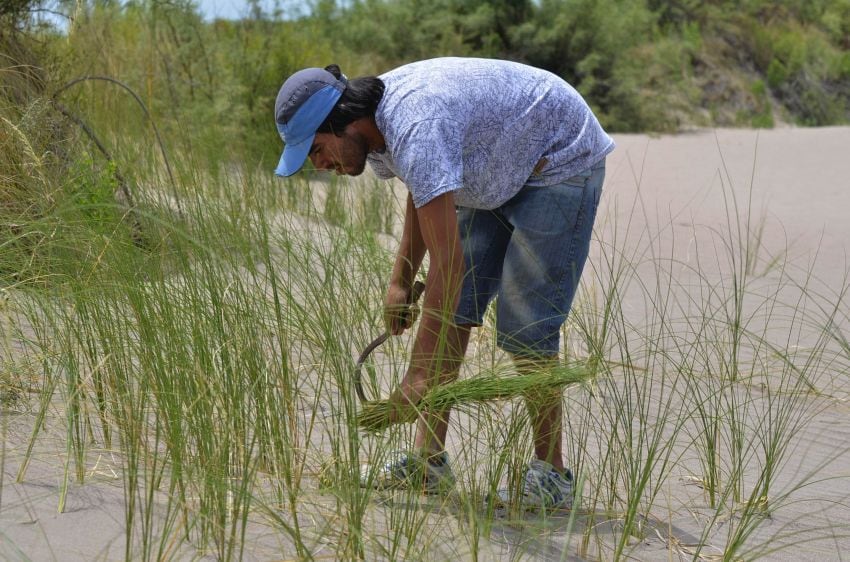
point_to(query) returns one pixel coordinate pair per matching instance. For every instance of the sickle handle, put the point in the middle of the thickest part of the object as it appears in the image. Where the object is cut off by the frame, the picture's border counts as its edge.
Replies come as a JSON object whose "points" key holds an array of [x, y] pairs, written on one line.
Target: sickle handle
{"points": [[415, 293]]}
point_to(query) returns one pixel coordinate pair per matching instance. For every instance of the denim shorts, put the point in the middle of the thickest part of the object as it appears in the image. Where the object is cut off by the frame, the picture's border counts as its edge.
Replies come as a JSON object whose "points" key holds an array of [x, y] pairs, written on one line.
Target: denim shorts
{"points": [[529, 253]]}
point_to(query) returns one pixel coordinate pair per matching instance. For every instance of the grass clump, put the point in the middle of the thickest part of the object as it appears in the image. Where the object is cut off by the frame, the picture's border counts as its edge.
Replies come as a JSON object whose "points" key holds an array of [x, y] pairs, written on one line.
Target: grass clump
{"points": [[216, 368], [380, 414]]}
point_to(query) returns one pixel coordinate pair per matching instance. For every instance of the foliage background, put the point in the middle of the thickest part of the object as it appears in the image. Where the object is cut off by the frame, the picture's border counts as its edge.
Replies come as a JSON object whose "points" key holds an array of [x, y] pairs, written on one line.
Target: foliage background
{"points": [[644, 65], [203, 91]]}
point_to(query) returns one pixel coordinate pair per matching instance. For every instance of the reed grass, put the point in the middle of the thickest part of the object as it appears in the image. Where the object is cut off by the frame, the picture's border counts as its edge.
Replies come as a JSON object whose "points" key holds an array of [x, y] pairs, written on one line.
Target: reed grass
{"points": [[378, 415]]}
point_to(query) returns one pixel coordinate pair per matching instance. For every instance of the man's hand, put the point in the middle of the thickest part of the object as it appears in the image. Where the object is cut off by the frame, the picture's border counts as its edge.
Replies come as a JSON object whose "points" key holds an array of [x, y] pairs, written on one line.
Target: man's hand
{"points": [[399, 311]]}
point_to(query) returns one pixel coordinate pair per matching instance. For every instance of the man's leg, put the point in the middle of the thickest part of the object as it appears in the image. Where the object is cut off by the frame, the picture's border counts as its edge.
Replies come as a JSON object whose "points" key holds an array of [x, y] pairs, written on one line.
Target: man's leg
{"points": [[427, 465], [546, 412], [484, 235], [432, 426], [549, 245]]}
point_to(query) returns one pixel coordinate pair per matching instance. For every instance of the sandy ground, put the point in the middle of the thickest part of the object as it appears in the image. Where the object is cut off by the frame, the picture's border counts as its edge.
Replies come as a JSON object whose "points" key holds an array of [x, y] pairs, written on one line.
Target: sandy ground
{"points": [[795, 179], [793, 182]]}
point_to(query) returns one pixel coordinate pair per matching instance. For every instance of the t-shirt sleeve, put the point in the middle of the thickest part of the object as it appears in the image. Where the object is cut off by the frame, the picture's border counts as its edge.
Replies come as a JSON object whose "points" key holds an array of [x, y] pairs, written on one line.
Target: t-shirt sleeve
{"points": [[429, 158]]}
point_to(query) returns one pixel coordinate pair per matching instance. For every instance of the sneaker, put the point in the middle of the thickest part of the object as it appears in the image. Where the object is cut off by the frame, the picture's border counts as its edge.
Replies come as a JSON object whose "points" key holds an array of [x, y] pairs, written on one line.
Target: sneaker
{"points": [[409, 471], [543, 487]]}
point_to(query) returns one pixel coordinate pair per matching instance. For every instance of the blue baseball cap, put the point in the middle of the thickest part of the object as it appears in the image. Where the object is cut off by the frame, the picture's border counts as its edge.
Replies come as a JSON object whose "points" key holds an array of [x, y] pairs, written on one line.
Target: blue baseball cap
{"points": [[304, 101]]}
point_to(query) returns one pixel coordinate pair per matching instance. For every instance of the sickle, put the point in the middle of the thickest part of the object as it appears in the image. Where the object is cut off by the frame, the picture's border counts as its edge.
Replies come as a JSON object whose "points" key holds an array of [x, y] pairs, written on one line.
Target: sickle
{"points": [[418, 289]]}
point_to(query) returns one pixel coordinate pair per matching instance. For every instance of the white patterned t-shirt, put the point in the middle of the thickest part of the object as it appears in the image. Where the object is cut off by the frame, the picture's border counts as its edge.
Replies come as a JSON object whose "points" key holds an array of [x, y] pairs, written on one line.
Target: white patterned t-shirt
{"points": [[482, 129]]}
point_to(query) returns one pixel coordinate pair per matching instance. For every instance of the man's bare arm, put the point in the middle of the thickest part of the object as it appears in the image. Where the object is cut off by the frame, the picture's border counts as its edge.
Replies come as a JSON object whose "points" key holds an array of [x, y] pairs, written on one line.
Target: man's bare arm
{"points": [[436, 350], [411, 251]]}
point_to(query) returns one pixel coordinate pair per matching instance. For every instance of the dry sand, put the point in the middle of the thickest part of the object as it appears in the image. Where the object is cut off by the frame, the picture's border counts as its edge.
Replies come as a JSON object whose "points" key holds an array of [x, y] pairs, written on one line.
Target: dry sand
{"points": [[794, 181]]}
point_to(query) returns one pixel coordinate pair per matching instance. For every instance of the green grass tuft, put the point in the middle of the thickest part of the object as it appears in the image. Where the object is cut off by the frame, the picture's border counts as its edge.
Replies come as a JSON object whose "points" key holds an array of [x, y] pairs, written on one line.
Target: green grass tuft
{"points": [[380, 414]]}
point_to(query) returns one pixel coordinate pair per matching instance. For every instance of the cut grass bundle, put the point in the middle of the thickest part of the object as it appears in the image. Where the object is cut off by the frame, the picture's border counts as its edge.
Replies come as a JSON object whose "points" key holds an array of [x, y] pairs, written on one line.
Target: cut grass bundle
{"points": [[378, 415]]}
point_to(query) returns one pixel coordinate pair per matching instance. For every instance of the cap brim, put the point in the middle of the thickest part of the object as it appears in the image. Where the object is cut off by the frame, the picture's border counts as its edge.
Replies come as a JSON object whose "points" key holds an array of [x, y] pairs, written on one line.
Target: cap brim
{"points": [[293, 157]]}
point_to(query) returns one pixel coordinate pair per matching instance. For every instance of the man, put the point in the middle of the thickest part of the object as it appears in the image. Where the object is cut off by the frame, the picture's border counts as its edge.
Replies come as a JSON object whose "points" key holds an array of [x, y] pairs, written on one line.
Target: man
{"points": [[504, 164]]}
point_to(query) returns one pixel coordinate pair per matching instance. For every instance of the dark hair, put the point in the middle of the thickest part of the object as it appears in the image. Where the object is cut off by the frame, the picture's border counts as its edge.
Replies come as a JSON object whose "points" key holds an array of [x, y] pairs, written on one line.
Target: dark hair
{"points": [[359, 99]]}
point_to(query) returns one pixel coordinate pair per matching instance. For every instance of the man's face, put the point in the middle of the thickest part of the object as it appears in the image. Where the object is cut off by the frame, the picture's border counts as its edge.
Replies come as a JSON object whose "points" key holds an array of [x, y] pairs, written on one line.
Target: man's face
{"points": [[345, 154]]}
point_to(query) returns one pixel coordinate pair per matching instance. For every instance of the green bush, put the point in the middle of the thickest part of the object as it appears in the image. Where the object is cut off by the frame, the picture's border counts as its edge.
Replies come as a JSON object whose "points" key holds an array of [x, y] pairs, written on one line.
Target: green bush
{"points": [[643, 65]]}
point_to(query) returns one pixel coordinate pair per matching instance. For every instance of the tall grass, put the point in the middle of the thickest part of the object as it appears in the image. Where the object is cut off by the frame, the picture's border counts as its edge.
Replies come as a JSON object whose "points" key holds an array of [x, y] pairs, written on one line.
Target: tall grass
{"points": [[216, 365]]}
